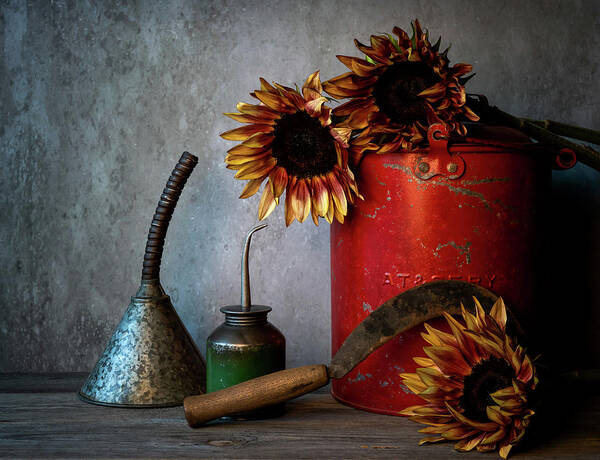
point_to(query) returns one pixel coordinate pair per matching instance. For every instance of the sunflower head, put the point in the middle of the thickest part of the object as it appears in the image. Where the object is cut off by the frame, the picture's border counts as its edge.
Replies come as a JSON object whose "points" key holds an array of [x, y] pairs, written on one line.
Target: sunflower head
{"points": [[289, 141], [476, 381], [402, 86]]}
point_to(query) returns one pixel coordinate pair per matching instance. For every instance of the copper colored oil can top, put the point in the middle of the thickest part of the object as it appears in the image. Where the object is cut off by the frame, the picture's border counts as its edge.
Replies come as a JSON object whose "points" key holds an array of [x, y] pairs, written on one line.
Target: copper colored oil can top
{"points": [[468, 211]]}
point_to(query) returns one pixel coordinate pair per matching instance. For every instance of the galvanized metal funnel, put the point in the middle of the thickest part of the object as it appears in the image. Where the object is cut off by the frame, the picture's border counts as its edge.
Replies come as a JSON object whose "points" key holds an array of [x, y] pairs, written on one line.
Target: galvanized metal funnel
{"points": [[150, 360]]}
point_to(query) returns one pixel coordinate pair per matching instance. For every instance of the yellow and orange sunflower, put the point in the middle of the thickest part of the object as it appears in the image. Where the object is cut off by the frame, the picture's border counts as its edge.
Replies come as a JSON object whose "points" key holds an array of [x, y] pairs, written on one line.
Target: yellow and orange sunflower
{"points": [[476, 382], [291, 142], [403, 86]]}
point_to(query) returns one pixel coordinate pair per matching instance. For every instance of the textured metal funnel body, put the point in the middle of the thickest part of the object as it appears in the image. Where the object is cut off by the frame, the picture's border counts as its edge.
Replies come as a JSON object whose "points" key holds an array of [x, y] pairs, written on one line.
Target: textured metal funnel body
{"points": [[150, 360]]}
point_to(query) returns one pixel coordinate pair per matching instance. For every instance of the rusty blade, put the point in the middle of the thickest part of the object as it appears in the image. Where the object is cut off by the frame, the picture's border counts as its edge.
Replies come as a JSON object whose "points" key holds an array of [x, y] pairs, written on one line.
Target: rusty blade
{"points": [[403, 312]]}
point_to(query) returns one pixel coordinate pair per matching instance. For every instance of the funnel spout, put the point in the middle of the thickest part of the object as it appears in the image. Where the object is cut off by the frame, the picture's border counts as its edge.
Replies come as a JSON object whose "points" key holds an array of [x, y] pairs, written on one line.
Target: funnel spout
{"points": [[163, 213]]}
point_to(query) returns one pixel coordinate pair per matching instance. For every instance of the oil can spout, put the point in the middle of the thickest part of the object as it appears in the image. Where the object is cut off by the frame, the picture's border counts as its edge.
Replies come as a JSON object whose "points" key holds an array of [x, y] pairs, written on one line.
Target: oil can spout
{"points": [[246, 298]]}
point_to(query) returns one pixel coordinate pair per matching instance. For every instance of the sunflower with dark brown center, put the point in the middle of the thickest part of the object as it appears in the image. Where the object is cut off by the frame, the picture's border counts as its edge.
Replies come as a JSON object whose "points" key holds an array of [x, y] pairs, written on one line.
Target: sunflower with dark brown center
{"points": [[403, 86], [476, 382], [290, 142]]}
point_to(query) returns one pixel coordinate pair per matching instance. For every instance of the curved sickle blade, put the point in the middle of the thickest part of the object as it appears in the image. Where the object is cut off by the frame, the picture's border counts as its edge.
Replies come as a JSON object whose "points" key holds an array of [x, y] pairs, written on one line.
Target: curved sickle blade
{"points": [[403, 312]]}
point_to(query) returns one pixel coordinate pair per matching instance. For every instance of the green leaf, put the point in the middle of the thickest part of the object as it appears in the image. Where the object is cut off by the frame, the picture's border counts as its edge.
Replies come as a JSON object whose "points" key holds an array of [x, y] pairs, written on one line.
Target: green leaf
{"points": [[369, 60], [394, 42], [413, 39], [436, 47]]}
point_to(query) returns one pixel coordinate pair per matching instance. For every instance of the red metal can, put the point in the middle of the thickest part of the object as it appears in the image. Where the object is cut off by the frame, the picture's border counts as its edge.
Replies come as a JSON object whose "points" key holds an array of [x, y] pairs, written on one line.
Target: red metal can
{"points": [[467, 211]]}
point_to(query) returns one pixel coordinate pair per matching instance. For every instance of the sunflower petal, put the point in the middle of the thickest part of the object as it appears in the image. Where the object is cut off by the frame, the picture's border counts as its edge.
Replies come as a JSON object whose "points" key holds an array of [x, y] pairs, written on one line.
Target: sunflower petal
{"points": [[257, 169], [359, 66], [258, 140], [274, 101], [265, 86], [330, 209], [320, 196], [313, 107], [244, 132], [241, 159], [436, 337], [279, 179], [440, 429], [251, 188], [242, 149], [312, 87], [461, 69], [314, 216], [498, 312], [494, 414], [482, 426], [432, 377], [466, 445], [244, 118], [338, 215], [434, 92], [342, 135], [267, 202], [470, 114], [526, 372], [305, 197], [465, 343], [337, 192], [493, 438], [409, 410], [348, 108], [505, 450], [461, 432], [290, 215], [423, 362], [258, 111], [449, 360], [431, 439]]}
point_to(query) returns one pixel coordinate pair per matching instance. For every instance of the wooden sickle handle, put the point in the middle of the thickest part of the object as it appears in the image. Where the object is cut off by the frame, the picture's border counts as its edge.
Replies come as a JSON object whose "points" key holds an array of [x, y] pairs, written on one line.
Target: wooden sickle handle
{"points": [[256, 393]]}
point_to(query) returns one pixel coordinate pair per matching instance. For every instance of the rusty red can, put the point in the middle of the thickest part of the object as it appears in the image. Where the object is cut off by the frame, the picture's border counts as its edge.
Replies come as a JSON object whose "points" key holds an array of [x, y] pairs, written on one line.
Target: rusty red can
{"points": [[469, 211]]}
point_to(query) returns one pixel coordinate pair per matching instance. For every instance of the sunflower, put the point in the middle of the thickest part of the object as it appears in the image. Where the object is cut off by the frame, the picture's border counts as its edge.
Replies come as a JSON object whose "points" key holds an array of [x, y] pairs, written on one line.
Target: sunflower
{"points": [[291, 142], [403, 86], [476, 382]]}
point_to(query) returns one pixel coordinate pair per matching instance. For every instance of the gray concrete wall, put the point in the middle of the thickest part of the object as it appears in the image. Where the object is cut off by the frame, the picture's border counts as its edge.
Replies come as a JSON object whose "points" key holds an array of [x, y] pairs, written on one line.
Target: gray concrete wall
{"points": [[98, 100]]}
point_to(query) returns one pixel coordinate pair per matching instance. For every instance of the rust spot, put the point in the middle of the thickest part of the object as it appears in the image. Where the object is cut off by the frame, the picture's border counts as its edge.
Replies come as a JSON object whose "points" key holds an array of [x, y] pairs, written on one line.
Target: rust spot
{"points": [[464, 250], [487, 180], [374, 215]]}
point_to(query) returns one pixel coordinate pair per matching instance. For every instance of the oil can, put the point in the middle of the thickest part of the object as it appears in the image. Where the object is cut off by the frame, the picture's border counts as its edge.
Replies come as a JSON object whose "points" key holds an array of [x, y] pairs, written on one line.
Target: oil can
{"points": [[246, 345]]}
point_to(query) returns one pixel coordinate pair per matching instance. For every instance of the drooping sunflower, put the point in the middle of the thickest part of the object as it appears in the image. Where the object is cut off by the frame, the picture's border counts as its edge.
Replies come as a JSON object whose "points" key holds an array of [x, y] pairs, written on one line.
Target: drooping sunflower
{"points": [[476, 382], [291, 142], [403, 86]]}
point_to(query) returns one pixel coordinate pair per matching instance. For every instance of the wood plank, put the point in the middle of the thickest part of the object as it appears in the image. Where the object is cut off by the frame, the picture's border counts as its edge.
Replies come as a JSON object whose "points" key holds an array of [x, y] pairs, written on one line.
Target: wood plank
{"points": [[41, 382], [58, 425]]}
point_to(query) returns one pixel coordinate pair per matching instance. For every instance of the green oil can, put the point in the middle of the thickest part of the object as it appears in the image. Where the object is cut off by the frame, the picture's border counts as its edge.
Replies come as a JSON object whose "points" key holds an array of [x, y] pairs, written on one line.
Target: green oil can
{"points": [[246, 345]]}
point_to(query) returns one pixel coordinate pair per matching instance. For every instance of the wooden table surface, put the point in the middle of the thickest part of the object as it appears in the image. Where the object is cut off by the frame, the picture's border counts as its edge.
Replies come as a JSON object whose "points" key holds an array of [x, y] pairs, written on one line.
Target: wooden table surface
{"points": [[41, 417]]}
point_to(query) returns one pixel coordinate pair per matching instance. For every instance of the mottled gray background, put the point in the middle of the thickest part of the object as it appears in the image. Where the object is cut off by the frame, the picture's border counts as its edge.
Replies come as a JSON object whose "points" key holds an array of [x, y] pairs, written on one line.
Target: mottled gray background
{"points": [[98, 100]]}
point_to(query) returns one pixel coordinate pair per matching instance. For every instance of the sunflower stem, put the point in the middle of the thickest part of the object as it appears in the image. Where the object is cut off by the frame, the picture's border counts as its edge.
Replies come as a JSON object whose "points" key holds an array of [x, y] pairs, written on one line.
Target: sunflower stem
{"points": [[574, 132], [537, 131]]}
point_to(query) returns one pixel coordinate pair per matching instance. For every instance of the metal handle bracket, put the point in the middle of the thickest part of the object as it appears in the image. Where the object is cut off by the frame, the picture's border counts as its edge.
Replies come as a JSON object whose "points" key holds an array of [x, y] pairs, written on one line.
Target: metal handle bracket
{"points": [[439, 161]]}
